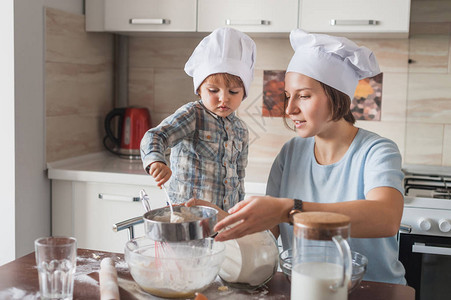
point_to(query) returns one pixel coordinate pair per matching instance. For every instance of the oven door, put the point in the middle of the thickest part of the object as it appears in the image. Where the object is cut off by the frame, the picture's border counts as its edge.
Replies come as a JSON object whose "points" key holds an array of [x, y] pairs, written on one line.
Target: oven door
{"points": [[427, 260]]}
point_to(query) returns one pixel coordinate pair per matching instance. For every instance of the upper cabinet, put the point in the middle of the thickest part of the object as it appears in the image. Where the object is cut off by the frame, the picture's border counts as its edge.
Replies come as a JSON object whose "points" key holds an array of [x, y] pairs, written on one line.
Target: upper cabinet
{"points": [[141, 15], [362, 18], [248, 15], [381, 17]]}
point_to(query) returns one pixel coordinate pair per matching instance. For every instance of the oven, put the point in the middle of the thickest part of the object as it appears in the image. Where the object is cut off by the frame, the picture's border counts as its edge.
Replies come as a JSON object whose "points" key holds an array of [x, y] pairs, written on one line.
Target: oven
{"points": [[425, 235]]}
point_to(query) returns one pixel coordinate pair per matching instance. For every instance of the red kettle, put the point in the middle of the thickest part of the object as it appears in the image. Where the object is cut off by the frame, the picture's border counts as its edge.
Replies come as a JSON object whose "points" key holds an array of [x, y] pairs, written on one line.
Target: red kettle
{"points": [[132, 123]]}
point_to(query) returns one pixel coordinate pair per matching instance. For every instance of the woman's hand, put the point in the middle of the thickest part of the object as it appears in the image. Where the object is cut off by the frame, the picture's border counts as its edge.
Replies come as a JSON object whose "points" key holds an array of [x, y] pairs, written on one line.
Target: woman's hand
{"points": [[160, 171], [193, 202], [257, 213]]}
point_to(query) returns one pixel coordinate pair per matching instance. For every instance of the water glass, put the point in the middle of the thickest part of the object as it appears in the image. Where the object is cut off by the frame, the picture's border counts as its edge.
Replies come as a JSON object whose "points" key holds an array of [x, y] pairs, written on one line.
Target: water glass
{"points": [[56, 259]]}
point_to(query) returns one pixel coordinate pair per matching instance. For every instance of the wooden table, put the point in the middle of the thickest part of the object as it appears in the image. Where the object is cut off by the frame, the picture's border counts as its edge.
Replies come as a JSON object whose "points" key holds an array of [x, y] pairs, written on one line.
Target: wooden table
{"points": [[19, 280]]}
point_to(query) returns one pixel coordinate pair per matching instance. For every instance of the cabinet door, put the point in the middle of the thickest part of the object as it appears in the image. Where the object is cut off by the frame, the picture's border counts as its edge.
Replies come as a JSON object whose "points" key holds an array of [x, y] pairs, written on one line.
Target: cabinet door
{"points": [[94, 216], [248, 15], [384, 16], [150, 15]]}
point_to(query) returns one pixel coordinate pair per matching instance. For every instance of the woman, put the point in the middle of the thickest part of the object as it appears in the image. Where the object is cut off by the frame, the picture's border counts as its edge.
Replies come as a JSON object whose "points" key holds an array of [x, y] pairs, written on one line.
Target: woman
{"points": [[332, 166]]}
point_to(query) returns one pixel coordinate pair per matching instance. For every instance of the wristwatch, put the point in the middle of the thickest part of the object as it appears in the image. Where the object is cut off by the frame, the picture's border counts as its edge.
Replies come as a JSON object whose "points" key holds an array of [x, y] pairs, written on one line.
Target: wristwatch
{"points": [[297, 208]]}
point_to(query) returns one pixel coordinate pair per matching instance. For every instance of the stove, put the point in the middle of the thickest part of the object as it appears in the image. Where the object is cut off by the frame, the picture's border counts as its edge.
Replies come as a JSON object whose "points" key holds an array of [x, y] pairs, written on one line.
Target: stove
{"points": [[425, 233], [427, 203]]}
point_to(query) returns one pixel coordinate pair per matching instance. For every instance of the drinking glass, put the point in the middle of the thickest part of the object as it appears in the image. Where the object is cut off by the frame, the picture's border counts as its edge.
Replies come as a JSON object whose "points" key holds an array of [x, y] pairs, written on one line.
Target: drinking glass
{"points": [[56, 259]]}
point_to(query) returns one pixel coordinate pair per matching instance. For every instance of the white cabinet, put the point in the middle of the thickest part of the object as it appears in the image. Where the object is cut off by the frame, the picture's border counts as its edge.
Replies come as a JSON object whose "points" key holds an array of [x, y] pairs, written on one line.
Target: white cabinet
{"points": [[359, 18], [141, 15], [355, 16], [248, 15], [77, 210]]}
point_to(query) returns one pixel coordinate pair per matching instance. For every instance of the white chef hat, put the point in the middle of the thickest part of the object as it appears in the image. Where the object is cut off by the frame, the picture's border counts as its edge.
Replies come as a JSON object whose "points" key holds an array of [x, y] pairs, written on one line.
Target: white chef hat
{"points": [[225, 50], [335, 61]]}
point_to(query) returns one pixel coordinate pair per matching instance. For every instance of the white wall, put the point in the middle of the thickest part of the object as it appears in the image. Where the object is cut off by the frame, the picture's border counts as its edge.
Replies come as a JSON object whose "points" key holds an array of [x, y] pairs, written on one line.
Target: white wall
{"points": [[7, 227], [32, 188]]}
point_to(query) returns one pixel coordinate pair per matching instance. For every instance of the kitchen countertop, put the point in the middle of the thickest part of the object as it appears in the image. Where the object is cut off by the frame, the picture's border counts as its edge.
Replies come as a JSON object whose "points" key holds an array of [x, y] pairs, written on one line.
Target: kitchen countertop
{"points": [[19, 280], [109, 168]]}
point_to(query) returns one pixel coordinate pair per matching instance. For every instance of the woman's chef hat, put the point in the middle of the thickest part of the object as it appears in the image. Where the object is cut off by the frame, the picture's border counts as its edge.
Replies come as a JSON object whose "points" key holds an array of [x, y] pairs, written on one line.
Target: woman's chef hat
{"points": [[225, 50], [335, 61]]}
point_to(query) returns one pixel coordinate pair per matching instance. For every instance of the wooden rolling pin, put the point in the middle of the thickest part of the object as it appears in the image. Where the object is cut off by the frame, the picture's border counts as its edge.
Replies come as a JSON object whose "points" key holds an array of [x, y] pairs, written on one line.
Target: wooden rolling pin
{"points": [[109, 289]]}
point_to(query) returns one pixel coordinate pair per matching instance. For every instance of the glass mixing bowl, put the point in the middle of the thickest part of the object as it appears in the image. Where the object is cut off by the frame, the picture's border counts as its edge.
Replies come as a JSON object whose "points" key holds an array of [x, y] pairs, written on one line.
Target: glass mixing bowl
{"points": [[174, 270], [359, 265]]}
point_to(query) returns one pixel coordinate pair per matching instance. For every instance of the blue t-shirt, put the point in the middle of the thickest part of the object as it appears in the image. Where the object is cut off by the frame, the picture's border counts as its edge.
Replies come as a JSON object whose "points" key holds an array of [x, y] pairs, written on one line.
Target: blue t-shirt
{"points": [[371, 161]]}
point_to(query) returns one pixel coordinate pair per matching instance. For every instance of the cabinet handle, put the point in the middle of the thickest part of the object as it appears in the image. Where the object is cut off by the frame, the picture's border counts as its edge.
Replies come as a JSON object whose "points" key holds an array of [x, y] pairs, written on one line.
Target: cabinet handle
{"points": [[422, 248], [150, 21], [247, 22], [335, 22], [118, 198]]}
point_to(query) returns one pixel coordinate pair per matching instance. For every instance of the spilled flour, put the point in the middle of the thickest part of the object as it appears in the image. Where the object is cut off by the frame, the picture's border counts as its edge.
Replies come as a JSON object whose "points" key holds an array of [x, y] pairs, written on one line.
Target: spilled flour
{"points": [[121, 265], [85, 278], [15, 293]]}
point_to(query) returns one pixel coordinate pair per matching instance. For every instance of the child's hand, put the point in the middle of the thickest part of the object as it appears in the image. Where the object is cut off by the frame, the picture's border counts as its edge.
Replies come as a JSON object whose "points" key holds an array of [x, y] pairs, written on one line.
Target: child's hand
{"points": [[160, 172]]}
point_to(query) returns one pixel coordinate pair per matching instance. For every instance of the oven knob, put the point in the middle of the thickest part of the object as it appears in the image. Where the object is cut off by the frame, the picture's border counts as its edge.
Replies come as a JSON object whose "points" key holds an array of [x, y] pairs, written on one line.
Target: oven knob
{"points": [[444, 225], [424, 224]]}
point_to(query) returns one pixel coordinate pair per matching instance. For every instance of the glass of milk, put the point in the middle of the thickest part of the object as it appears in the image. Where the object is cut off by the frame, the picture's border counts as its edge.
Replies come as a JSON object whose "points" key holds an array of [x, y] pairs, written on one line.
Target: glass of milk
{"points": [[56, 259], [322, 264]]}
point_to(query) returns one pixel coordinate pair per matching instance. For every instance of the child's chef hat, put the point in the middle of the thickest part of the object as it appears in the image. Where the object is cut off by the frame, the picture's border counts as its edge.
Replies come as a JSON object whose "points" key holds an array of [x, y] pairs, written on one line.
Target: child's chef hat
{"points": [[225, 50], [335, 61]]}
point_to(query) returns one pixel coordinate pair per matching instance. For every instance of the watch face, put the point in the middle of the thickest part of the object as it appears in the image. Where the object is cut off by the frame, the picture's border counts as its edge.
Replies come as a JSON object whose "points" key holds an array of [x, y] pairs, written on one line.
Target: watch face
{"points": [[297, 205]]}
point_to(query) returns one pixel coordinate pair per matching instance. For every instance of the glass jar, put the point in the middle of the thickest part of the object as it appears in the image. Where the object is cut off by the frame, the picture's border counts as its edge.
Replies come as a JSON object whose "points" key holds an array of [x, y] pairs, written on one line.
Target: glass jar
{"points": [[322, 263], [250, 261]]}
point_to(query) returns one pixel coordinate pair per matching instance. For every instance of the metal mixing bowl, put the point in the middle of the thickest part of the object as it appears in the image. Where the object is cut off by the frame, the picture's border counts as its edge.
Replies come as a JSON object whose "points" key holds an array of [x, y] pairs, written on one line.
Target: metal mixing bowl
{"points": [[158, 230], [359, 265], [174, 270]]}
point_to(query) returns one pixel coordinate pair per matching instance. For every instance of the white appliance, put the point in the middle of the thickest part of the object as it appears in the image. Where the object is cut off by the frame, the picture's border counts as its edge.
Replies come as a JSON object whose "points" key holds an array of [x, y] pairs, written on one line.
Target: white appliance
{"points": [[425, 235]]}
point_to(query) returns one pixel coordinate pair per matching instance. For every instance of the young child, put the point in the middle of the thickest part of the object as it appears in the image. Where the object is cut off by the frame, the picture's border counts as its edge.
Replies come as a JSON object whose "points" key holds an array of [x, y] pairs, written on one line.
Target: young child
{"points": [[209, 143]]}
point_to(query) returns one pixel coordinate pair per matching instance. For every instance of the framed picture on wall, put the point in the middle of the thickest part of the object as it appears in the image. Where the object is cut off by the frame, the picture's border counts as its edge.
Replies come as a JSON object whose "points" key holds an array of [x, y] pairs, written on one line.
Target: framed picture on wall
{"points": [[365, 105]]}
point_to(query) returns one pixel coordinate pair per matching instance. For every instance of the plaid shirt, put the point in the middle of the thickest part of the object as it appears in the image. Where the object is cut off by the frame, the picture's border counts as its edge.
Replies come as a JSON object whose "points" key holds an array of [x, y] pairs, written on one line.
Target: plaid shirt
{"points": [[208, 154]]}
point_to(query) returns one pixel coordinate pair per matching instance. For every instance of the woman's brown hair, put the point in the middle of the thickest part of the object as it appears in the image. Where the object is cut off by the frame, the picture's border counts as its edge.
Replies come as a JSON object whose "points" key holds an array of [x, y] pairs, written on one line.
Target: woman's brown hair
{"points": [[339, 104]]}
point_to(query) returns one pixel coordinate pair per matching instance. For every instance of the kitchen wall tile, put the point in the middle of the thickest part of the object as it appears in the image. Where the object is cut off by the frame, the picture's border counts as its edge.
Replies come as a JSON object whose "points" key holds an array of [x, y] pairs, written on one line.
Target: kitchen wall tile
{"points": [[141, 87], [157, 117], [446, 160], [392, 54], [266, 137], [429, 52], [429, 28], [168, 52], [173, 88], [424, 143], [449, 53], [392, 130], [430, 11], [252, 105], [429, 98], [78, 89], [67, 40], [394, 97], [78, 85], [74, 135], [273, 53]]}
